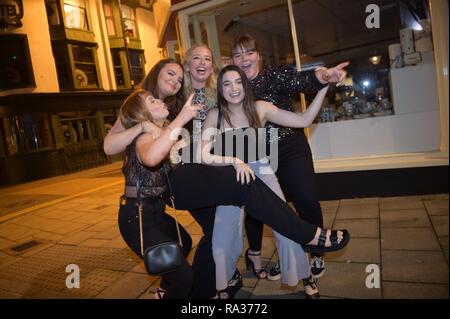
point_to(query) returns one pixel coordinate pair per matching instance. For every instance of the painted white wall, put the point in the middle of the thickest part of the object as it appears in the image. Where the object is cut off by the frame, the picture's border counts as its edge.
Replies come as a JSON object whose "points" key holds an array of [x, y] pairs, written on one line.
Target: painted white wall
{"points": [[404, 133], [149, 37], [35, 26]]}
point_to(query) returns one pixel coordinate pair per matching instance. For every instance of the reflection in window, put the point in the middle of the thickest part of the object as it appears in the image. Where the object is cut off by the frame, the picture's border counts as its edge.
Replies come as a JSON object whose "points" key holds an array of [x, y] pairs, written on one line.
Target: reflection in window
{"points": [[118, 69], [129, 21], [109, 18], [85, 73], [137, 66], [75, 14], [52, 12], [26, 133]]}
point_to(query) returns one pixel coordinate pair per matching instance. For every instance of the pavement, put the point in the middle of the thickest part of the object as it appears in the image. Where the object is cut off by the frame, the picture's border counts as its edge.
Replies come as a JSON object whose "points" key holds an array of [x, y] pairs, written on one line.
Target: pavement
{"points": [[53, 229]]}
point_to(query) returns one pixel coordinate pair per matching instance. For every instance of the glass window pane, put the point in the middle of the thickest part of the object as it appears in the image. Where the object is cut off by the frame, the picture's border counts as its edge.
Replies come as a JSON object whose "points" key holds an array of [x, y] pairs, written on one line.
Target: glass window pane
{"points": [[26, 133], [52, 12], [75, 14]]}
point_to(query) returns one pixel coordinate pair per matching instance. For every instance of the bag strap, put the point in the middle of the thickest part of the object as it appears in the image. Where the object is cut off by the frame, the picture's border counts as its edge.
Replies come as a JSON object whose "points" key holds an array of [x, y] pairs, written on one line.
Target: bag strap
{"points": [[172, 200], [139, 204]]}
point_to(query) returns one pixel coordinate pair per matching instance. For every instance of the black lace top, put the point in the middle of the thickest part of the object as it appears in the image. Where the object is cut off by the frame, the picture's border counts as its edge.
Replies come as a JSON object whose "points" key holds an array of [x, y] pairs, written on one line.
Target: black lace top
{"points": [[152, 179], [278, 85]]}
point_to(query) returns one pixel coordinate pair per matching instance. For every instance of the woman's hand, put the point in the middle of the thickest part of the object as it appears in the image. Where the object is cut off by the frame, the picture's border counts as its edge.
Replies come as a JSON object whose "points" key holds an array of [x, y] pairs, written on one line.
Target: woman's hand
{"points": [[189, 111], [333, 75], [244, 174]]}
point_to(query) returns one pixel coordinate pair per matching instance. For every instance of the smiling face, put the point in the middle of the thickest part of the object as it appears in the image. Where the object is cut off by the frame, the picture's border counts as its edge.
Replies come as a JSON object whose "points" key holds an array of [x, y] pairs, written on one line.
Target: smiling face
{"points": [[200, 66], [248, 60], [170, 79], [232, 88]]}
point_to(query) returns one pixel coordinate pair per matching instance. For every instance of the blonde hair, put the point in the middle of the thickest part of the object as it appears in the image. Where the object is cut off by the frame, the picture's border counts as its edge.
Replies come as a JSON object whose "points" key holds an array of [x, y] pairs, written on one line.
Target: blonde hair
{"points": [[134, 110], [211, 83]]}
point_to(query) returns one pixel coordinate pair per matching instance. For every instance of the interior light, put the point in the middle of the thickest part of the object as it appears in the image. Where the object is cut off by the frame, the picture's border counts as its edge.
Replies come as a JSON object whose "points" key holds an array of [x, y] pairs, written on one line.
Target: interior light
{"points": [[375, 59]]}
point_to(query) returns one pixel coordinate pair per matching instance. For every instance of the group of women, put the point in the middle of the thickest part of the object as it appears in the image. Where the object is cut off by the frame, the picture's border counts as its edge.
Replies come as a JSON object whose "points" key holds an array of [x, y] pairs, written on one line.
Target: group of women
{"points": [[219, 181]]}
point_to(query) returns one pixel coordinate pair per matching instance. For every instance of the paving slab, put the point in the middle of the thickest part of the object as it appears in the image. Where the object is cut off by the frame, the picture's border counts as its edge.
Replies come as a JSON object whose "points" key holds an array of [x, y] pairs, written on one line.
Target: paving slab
{"points": [[363, 250], [414, 266], [360, 211], [404, 218], [347, 280], [408, 239], [440, 224], [437, 207], [404, 290], [404, 202], [363, 228]]}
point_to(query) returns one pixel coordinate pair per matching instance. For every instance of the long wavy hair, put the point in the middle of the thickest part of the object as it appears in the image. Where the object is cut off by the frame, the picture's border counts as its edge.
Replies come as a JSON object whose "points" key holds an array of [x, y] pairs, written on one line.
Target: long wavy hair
{"points": [[248, 103], [150, 84], [211, 83], [134, 110]]}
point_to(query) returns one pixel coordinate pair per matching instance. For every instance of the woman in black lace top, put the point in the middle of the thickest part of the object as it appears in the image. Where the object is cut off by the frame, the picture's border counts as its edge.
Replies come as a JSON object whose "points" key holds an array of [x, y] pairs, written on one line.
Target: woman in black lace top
{"points": [[278, 85]]}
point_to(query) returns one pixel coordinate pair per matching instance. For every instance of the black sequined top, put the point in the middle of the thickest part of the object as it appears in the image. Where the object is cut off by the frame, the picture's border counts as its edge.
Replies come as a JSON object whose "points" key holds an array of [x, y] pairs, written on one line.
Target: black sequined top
{"points": [[153, 179], [278, 85]]}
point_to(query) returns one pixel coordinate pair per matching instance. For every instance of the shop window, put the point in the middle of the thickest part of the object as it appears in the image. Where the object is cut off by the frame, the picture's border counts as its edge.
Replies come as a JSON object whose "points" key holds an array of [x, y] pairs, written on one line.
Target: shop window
{"points": [[109, 18], [129, 22], [75, 14], [121, 67], [16, 70], [26, 133], [85, 69]]}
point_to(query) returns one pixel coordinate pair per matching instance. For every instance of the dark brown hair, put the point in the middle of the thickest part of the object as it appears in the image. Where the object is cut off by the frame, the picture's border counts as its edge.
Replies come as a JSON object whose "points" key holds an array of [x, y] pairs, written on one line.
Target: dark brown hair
{"points": [[248, 103], [150, 84], [244, 42]]}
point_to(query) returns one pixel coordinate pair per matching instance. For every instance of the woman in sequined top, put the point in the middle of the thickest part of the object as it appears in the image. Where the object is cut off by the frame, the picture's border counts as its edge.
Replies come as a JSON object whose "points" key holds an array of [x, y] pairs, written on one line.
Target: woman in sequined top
{"points": [[200, 79], [278, 85]]}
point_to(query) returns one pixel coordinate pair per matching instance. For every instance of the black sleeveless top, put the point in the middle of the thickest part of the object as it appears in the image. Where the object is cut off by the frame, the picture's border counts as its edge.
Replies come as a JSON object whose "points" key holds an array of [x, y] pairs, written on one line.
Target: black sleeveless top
{"points": [[153, 180], [244, 143]]}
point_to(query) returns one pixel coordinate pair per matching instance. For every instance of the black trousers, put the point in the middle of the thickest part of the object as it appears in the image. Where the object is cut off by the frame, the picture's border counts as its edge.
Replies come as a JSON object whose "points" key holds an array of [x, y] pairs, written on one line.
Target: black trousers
{"points": [[296, 176], [157, 227], [203, 265], [198, 186]]}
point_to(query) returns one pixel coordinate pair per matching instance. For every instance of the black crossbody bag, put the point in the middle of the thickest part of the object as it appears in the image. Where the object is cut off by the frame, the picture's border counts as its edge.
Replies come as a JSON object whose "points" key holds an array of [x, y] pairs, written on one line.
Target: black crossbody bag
{"points": [[164, 257]]}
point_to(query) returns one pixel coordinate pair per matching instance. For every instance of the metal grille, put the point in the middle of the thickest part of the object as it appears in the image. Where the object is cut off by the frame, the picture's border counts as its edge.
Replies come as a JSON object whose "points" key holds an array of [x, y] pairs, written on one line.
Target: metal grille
{"points": [[22, 247]]}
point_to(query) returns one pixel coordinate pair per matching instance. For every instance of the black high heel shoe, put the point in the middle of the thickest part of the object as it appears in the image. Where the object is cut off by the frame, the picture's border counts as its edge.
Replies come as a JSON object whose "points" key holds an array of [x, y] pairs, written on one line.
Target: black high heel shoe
{"points": [[234, 284], [312, 283], [259, 273]]}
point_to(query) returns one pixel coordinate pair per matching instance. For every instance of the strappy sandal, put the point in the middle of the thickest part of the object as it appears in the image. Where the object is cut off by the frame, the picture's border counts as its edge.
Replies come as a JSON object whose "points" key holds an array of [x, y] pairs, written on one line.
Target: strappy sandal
{"points": [[259, 273], [234, 284], [335, 245], [312, 283]]}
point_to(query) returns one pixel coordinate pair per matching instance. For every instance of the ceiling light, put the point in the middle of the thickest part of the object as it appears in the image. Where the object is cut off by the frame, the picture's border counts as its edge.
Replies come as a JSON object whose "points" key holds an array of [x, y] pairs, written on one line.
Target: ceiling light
{"points": [[375, 59]]}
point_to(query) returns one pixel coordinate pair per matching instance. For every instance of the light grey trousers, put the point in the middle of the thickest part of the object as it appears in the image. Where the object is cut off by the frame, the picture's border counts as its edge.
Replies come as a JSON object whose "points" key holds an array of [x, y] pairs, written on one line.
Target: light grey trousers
{"points": [[227, 241]]}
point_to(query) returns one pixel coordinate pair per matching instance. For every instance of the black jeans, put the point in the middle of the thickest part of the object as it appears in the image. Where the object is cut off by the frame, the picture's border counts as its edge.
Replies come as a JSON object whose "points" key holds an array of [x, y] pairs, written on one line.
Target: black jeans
{"points": [[296, 176], [157, 227], [199, 186], [203, 265]]}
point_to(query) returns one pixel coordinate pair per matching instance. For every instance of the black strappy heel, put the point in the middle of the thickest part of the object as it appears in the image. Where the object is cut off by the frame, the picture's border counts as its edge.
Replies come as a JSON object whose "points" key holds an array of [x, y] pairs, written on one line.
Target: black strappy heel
{"points": [[311, 282], [259, 273]]}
